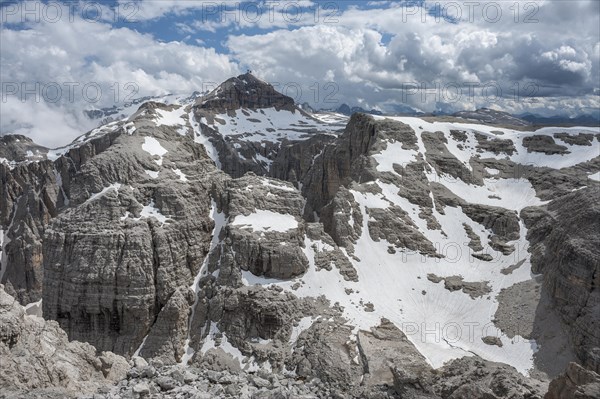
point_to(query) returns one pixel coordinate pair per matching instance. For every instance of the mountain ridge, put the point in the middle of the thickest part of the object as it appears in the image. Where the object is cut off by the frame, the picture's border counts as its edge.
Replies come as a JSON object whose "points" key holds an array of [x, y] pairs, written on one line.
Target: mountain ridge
{"points": [[243, 234]]}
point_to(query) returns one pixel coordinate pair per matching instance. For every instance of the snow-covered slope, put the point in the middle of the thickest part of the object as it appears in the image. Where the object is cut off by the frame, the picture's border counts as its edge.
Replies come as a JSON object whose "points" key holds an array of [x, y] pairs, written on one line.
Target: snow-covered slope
{"points": [[268, 125], [445, 302]]}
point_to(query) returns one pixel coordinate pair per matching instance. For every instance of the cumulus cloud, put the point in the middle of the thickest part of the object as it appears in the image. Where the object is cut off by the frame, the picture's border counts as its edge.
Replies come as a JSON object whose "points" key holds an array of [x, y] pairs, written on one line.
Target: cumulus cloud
{"points": [[542, 56], [56, 70], [388, 47]]}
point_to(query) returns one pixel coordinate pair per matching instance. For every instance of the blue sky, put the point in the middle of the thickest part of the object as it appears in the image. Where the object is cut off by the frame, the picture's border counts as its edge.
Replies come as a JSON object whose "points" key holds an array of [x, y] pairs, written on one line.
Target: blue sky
{"points": [[538, 56]]}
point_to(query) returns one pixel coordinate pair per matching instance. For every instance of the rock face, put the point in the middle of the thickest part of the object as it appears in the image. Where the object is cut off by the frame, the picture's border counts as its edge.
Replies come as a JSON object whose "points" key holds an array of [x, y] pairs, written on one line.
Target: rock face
{"points": [[384, 349], [576, 383], [334, 168], [565, 248], [260, 236], [544, 144], [327, 354], [503, 223], [165, 340], [259, 250], [129, 242], [495, 145], [30, 199], [471, 377], [293, 161], [440, 158], [36, 357]]}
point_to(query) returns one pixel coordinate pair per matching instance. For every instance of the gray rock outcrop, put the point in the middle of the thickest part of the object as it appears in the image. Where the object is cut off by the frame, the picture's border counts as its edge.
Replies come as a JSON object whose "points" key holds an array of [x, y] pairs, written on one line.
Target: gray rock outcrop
{"points": [[576, 383], [543, 144], [30, 199], [127, 242], [37, 358], [565, 248]]}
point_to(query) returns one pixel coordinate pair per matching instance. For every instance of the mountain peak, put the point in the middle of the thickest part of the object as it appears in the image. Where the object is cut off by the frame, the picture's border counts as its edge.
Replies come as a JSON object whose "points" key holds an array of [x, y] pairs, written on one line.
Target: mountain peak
{"points": [[345, 109], [14, 138], [245, 91], [249, 77], [19, 148]]}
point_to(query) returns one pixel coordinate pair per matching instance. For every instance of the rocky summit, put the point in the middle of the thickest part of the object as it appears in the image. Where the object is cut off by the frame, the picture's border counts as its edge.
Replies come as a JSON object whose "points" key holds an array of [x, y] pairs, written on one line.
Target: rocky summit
{"points": [[236, 245]]}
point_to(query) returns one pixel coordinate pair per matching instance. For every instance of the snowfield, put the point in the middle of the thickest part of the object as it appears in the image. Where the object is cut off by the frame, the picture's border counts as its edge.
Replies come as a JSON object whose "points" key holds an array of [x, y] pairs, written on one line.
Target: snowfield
{"points": [[262, 220], [442, 324], [153, 147], [578, 153], [170, 118], [269, 124]]}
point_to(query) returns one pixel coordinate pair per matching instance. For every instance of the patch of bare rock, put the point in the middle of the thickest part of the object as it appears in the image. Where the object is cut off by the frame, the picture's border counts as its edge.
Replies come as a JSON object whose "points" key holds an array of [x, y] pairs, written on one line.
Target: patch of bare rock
{"points": [[456, 283], [38, 360]]}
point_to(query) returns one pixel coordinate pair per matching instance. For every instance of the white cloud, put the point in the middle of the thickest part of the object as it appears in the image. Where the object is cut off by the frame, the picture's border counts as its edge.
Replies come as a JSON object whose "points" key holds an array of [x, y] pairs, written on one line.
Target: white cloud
{"points": [[556, 54], [139, 10], [49, 125], [122, 63], [370, 53]]}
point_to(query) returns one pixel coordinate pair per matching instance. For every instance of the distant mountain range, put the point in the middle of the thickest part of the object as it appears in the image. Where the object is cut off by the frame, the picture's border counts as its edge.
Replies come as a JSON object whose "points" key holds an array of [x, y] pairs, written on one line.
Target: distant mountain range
{"points": [[485, 115], [582, 120]]}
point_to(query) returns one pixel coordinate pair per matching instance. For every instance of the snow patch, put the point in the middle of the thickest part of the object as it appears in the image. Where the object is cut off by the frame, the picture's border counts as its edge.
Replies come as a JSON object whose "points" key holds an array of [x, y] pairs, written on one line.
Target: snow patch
{"points": [[394, 154], [151, 211], [266, 221], [170, 118], [279, 186], [152, 174], [594, 176], [34, 308], [11, 164], [182, 176], [304, 324], [514, 194], [130, 128], [200, 138], [114, 186], [249, 279], [139, 349], [153, 147]]}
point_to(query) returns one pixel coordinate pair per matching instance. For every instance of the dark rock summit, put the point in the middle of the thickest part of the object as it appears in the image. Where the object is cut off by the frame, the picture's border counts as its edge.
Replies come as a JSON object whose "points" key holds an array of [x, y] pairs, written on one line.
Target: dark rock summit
{"points": [[245, 91]]}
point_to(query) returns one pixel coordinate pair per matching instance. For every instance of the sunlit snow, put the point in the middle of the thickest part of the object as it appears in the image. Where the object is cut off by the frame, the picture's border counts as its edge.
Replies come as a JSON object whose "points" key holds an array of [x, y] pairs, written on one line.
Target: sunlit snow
{"points": [[266, 221], [153, 147]]}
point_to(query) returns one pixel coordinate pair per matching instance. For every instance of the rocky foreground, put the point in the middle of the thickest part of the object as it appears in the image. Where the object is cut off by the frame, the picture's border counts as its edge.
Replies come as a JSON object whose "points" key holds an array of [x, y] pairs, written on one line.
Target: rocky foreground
{"points": [[38, 361], [235, 246]]}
